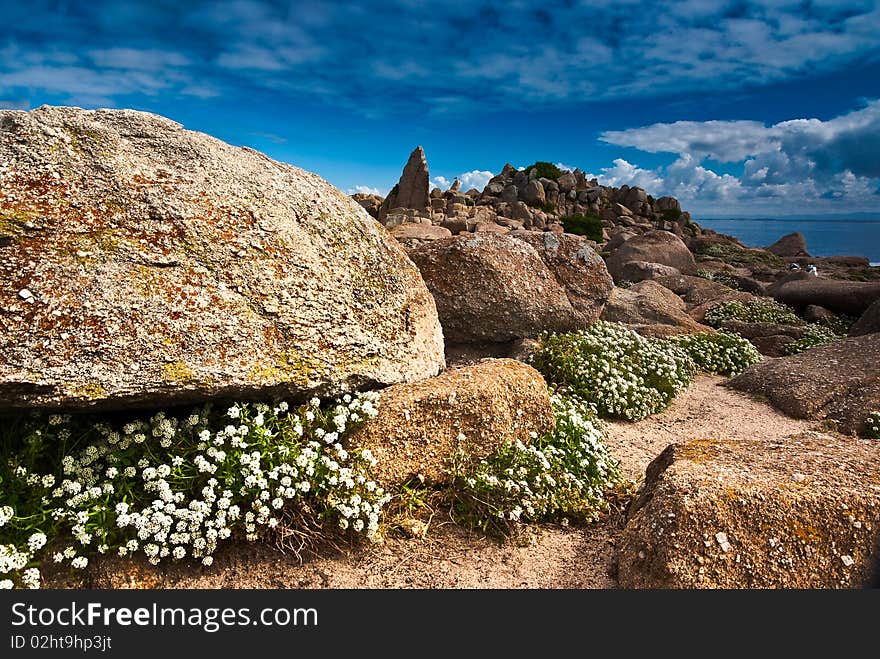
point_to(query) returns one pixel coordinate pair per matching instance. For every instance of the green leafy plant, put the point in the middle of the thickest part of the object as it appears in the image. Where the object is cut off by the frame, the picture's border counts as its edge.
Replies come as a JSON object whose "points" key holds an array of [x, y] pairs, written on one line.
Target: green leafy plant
{"points": [[719, 278], [735, 254], [671, 214], [624, 375], [752, 311], [814, 335], [581, 224], [562, 474], [721, 353], [172, 487], [545, 170]]}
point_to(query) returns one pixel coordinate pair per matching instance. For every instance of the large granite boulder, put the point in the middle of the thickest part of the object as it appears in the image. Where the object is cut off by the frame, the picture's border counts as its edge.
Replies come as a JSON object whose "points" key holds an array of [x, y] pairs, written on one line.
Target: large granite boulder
{"points": [[838, 381], [800, 512], [653, 247], [491, 287], [846, 297], [791, 245], [475, 409], [869, 323], [145, 264]]}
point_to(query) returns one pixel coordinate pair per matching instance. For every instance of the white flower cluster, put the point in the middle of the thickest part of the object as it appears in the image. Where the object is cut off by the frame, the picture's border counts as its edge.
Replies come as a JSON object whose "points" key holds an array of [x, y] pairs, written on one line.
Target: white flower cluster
{"points": [[564, 473], [814, 335], [872, 425], [15, 560], [720, 352], [176, 488], [624, 375], [759, 310]]}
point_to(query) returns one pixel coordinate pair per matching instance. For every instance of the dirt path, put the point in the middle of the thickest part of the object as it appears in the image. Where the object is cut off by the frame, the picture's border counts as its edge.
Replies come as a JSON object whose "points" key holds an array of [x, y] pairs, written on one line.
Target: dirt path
{"points": [[450, 557], [707, 410]]}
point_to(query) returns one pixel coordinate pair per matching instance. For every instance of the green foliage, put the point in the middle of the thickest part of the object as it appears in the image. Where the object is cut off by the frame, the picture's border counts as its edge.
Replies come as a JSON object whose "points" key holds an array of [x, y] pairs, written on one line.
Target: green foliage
{"points": [[872, 426], [760, 310], [624, 375], [735, 254], [562, 474], [582, 224], [549, 207], [720, 353], [545, 170], [840, 325], [814, 335], [671, 214], [171, 487], [719, 278]]}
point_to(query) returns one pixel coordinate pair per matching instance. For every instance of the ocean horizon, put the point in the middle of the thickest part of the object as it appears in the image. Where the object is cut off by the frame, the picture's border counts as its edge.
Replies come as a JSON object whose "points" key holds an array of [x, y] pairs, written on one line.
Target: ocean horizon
{"points": [[825, 237]]}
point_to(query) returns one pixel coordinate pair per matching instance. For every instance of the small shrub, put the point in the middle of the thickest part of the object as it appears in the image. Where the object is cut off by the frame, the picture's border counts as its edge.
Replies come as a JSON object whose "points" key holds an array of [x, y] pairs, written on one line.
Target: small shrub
{"points": [[671, 214], [624, 375], [170, 488], [545, 170], [735, 254], [549, 208], [720, 353], [872, 426], [719, 278], [581, 224], [562, 474], [815, 335], [752, 311]]}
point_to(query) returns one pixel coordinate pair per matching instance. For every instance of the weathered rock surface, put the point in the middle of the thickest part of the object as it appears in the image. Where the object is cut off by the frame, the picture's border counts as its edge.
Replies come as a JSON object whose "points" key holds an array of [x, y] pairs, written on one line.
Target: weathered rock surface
{"points": [[846, 297], [496, 288], [413, 187], [654, 247], [420, 425], [869, 323], [577, 267], [695, 290], [801, 512], [162, 265], [791, 245], [636, 271], [650, 303], [415, 233], [839, 381], [769, 338]]}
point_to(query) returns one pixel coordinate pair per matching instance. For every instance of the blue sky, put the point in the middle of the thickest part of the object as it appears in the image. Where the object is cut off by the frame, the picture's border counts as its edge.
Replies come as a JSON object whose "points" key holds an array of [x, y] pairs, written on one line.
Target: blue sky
{"points": [[737, 108]]}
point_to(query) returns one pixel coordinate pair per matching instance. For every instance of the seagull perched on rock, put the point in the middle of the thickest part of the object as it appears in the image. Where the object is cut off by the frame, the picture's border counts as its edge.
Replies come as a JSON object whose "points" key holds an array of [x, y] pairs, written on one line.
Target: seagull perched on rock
{"points": [[794, 267], [811, 270]]}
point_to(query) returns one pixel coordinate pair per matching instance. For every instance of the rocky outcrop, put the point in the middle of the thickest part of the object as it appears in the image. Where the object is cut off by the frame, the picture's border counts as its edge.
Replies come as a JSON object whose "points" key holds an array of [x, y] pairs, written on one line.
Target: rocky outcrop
{"points": [[791, 245], [801, 512], [869, 323], [495, 288], [653, 247], [146, 264], [649, 303], [412, 189], [838, 381], [422, 426], [846, 297], [371, 203], [412, 234]]}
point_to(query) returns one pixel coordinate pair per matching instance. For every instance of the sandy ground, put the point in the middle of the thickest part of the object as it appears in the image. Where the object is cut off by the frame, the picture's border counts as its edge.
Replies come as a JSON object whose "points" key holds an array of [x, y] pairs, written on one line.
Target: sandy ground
{"points": [[451, 557], [707, 410]]}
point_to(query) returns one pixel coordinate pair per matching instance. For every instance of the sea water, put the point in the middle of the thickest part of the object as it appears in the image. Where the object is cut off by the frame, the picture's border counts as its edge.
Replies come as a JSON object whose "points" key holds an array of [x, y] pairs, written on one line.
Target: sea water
{"points": [[824, 237]]}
